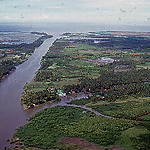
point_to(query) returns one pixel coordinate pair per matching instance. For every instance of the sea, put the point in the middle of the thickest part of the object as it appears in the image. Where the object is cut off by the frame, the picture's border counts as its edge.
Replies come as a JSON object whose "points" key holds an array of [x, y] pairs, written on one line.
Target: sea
{"points": [[61, 27]]}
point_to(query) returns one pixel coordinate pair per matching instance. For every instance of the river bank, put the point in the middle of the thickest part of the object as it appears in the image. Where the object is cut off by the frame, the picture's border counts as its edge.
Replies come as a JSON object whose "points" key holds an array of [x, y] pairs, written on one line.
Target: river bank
{"points": [[52, 124], [31, 112], [11, 113]]}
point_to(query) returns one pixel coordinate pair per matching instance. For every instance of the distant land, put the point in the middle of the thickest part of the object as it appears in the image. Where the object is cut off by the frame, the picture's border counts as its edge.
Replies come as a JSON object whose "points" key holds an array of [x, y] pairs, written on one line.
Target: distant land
{"points": [[17, 47]]}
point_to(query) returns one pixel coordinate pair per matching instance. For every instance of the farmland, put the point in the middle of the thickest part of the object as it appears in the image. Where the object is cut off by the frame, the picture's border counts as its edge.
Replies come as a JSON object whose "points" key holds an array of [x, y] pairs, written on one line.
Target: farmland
{"points": [[92, 62], [114, 68]]}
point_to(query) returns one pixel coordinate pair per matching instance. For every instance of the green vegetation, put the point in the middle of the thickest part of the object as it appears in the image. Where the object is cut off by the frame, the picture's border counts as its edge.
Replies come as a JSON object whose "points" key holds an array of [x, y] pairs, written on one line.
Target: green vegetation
{"points": [[82, 101], [32, 98], [135, 110], [81, 65], [74, 61], [46, 127], [111, 86]]}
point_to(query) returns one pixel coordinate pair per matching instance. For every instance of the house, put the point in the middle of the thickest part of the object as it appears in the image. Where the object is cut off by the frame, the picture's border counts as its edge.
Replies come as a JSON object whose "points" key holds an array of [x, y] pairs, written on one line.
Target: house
{"points": [[61, 94]]}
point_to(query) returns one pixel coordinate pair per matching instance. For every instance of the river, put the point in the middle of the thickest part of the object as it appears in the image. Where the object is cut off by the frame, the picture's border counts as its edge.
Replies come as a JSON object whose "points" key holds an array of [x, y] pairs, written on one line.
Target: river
{"points": [[11, 113]]}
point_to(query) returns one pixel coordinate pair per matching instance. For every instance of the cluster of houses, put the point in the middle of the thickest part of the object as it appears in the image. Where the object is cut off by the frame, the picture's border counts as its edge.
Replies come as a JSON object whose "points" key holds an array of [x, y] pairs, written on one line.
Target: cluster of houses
{"points": [[103, 61], [58, 92]]}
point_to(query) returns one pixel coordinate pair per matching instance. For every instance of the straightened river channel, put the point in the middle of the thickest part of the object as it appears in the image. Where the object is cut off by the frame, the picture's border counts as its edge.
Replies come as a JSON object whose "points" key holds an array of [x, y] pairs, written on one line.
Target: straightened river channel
{"points": [[11, 112]]}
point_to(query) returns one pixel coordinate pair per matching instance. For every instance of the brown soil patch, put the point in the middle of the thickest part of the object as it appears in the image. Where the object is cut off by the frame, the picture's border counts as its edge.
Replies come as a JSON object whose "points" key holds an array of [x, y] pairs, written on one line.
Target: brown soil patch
{"points": [[87, 145]]}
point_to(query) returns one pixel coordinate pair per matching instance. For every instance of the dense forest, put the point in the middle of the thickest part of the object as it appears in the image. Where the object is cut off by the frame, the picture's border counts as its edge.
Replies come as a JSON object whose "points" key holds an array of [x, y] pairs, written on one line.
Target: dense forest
{"points": [[111, 86], [32, 98]]}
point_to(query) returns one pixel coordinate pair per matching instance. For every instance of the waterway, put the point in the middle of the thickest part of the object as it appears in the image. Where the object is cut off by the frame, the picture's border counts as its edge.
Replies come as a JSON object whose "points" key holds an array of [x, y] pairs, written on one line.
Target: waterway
{"points": [[11, 113]]}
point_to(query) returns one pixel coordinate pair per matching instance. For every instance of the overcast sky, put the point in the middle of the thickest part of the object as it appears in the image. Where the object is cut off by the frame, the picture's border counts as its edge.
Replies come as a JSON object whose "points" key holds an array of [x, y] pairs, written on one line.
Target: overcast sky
{"points": [[121, 12]]}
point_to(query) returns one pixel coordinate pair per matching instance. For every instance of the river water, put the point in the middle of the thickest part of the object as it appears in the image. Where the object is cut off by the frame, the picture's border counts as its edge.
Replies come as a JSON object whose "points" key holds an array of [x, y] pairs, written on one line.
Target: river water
{"points": [[11, 112]]}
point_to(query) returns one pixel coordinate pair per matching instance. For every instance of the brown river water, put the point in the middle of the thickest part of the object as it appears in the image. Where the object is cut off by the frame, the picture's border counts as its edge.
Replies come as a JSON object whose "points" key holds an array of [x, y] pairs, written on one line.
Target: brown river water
{"points": [[11, 112]]}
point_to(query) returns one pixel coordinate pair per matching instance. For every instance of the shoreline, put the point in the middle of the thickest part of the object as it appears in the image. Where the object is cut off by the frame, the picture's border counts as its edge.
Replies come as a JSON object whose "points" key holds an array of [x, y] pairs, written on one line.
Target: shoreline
{"points": [[6, 76]]}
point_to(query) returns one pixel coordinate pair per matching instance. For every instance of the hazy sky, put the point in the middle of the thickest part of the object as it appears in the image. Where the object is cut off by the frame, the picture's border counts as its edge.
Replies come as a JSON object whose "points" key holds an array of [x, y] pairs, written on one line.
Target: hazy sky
{"points": [[122, 12]]}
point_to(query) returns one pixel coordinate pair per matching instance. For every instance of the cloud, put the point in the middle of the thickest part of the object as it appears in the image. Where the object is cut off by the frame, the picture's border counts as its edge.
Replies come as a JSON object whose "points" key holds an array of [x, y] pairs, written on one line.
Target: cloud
{"points": [[7, 18], [102, 11], [45, 17]]}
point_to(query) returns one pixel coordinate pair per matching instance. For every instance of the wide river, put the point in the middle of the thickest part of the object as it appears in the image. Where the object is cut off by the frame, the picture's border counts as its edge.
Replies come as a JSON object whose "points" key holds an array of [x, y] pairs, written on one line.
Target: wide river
{"points": [[11, 89]]}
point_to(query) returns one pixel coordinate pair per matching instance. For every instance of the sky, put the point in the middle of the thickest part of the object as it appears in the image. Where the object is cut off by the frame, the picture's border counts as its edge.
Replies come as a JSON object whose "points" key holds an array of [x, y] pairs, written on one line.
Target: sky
{"points": [[112, 12]]}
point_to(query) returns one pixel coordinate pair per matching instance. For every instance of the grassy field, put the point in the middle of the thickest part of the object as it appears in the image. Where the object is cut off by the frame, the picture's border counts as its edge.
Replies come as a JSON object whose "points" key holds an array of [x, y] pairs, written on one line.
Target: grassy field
{"points": [[37, 86]]}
